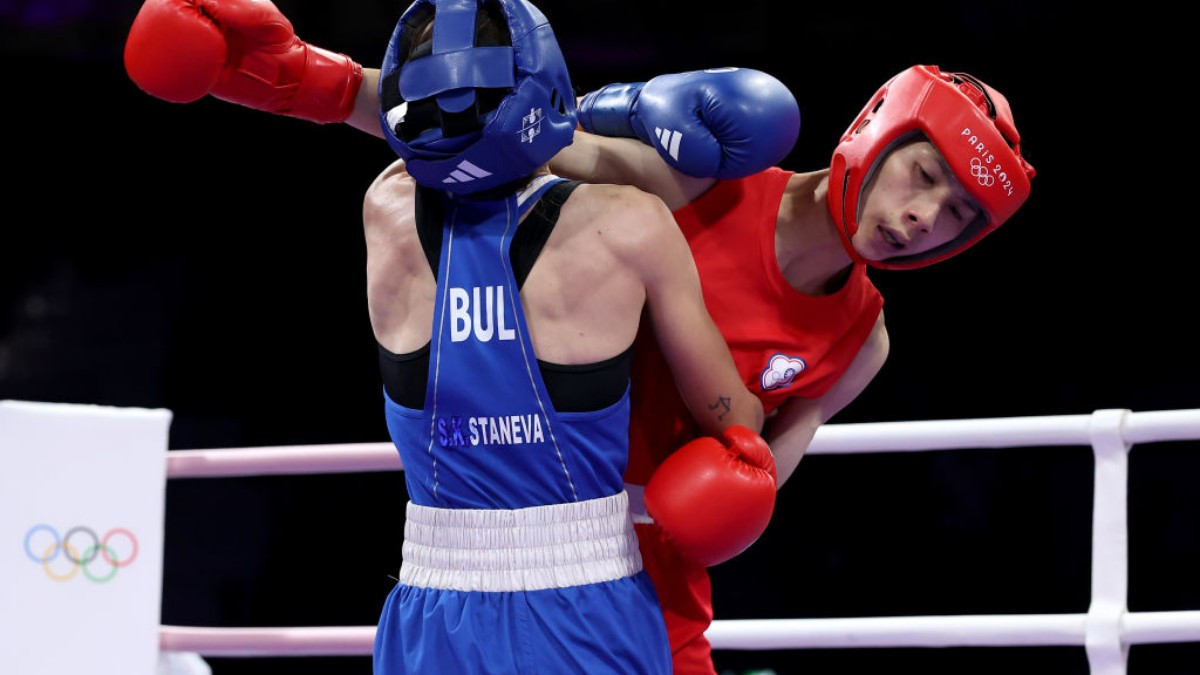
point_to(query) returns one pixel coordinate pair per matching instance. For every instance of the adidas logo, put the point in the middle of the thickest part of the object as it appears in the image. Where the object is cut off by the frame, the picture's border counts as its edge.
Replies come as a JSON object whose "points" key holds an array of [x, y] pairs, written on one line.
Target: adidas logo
{"points": [[465, 173], [670, 141]]}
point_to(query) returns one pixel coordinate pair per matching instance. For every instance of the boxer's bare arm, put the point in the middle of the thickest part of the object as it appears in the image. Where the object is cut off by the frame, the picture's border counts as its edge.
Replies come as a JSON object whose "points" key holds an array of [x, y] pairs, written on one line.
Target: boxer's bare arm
{"points": [[365, 117], [627, 161], [700, 361]]}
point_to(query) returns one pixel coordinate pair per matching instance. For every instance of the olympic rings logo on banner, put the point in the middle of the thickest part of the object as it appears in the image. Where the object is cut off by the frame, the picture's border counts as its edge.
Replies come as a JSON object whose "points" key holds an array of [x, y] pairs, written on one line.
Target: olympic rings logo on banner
{"points": [[77, 561]]}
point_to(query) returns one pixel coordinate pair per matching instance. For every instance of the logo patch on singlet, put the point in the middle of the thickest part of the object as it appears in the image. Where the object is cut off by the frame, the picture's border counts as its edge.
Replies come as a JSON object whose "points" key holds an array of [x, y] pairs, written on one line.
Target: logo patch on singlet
{"points": [[781, 371], [457, 431]]}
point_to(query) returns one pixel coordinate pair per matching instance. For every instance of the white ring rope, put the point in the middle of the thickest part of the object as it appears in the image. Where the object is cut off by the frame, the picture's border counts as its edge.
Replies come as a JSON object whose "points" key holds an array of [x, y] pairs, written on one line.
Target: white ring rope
{"points": [[327, 641], [831, 439], [283, 460], [1000, 630], [1106, 630]]}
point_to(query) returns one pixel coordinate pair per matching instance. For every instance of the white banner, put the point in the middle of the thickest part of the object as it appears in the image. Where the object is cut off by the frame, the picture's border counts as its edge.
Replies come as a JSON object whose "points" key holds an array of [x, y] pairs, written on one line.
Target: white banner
{"points": [[82, 494]]}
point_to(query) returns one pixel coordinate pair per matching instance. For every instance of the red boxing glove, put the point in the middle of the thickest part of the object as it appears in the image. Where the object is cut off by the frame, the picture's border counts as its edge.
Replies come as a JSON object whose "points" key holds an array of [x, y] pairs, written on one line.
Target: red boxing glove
{"points": [[242, 51], [714, 499]]}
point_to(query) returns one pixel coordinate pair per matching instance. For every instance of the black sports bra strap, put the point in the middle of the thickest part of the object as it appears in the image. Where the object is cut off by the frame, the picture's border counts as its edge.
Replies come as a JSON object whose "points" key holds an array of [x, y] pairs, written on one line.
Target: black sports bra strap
{"points": [[528, 242]]}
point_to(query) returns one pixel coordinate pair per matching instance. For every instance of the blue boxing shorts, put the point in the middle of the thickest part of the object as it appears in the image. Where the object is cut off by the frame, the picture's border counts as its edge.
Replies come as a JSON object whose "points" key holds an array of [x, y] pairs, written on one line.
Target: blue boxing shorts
{"points": [[539, 590]]}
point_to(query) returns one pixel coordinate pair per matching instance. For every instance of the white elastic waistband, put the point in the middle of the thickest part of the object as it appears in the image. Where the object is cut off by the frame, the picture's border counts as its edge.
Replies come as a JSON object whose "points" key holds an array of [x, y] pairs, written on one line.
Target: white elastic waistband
{"points": [[529, 549]]}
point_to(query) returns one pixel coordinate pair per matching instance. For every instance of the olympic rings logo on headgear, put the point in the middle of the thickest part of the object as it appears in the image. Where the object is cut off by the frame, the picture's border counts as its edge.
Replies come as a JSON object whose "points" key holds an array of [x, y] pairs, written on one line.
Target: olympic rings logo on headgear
{"points": [[981, 173], [79, 561]]}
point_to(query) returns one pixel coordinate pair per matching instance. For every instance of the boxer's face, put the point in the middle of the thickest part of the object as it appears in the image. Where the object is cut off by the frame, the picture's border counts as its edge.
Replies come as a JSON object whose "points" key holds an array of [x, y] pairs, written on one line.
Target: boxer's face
{"points": [[912, 205]]}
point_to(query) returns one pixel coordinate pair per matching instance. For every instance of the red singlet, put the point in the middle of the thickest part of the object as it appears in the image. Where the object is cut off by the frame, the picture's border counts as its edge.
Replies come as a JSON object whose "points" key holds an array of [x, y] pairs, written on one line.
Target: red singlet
{"points": [[784, 343]]}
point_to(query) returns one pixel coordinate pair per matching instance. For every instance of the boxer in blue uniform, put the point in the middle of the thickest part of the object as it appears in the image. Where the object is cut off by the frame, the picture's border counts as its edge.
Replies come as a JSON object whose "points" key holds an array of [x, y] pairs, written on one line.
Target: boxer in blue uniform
{"points": [[517, 530], [505, 302]]}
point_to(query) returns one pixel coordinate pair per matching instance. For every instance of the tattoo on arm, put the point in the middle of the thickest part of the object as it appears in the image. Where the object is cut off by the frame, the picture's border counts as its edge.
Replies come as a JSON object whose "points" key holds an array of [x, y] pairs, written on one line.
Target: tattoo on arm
{"points": [[723, 403]]}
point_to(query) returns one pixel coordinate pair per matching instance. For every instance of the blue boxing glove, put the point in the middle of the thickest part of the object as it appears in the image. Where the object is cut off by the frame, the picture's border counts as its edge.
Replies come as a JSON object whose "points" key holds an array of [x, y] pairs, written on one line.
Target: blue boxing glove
{"points": [[717, 123]]}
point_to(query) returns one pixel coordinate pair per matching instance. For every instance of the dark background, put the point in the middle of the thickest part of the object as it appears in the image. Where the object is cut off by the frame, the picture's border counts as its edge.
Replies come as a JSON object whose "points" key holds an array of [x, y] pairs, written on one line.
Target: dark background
{"points": [[208, 259]]}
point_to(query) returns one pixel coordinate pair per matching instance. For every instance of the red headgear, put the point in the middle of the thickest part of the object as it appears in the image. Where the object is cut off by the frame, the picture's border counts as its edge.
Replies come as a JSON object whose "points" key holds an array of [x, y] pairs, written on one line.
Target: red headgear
{"points": [[972, 127]]}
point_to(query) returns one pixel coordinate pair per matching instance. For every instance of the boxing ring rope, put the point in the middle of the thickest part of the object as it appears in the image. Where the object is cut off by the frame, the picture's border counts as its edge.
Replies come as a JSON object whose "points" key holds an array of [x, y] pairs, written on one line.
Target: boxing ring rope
{"points": [[1106, 630]]}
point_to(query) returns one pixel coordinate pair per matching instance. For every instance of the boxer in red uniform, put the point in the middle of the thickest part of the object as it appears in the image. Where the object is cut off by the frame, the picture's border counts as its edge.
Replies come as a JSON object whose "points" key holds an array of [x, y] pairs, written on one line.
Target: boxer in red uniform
{"points": [[931, 165], [801, 353]]}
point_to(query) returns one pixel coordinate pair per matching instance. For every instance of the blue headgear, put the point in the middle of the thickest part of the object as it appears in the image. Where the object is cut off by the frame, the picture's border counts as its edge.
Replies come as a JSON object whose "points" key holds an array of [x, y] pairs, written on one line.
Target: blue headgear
{"points": [[439, 113]]}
